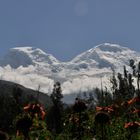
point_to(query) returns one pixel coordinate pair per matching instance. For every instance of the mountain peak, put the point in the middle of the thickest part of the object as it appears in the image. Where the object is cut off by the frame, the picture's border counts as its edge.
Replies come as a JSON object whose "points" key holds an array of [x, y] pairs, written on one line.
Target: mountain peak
{"points": [[106, 55], [23, 48], [27, 56], [110, 47], [28, 50]]}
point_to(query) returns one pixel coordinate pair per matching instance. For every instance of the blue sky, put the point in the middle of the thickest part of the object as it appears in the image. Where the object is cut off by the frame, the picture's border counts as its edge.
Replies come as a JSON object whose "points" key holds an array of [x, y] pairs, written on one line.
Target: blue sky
{"points": [[66, 28]]}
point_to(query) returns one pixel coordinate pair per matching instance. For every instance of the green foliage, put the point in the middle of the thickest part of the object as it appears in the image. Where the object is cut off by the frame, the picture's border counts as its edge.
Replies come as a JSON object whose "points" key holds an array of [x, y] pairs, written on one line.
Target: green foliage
{"points": [[11, 105], [9, 110], [122, 85], [54, 117], [115, 116]]}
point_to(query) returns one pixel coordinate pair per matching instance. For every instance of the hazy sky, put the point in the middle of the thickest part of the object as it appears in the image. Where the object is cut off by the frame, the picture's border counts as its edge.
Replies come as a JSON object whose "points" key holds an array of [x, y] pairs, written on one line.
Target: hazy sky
{"points": [[66, 28]]}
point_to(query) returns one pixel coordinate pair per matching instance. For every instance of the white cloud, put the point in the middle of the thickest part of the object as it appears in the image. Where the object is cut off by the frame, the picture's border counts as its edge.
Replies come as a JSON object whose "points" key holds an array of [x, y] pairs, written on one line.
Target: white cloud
{"points": [[82, 84]]}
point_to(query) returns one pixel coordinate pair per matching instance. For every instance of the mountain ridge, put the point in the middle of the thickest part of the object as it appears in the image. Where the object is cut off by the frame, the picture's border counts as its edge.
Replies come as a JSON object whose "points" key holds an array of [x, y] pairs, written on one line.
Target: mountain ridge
{"points": [[27, 56], [82, 73], [33, 55], [7, 87]]}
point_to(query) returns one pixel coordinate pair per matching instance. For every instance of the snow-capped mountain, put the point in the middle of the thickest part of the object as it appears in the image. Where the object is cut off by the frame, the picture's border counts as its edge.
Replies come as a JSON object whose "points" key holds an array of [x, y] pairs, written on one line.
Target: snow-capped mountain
{"points": [[106, 55], [32, 67], [25, 56]]}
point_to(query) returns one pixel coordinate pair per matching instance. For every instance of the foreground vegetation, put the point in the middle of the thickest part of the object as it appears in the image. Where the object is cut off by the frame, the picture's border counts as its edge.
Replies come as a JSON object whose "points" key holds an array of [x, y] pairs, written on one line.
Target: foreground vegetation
{"points": [[96, 115]]}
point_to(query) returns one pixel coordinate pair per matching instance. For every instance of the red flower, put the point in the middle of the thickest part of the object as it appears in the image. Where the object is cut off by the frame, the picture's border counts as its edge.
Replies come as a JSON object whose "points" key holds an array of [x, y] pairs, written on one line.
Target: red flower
{"points": [[109, 109], [35, 109], [43, 114], [136, 99], [132, 125], [131, 101], [137, 111], [26, 107], [99, 108]]}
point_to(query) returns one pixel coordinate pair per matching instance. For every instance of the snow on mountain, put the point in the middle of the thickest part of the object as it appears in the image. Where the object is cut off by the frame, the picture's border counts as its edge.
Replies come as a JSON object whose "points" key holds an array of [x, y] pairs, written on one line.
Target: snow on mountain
{"points": [[25, 56], [106, 55], [32, 67]]}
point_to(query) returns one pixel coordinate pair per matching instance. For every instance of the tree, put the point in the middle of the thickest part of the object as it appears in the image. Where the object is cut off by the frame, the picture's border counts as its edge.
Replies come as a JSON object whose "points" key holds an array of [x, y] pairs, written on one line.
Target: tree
{"points": [[114, 83], [54, 117], [122, 85], [136, 73], [8, 111]]}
